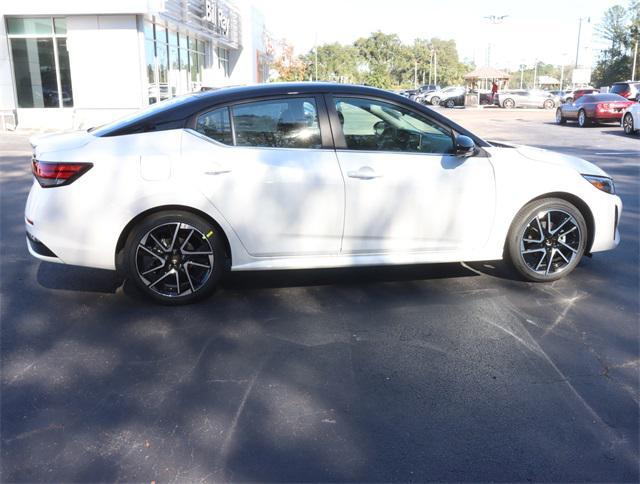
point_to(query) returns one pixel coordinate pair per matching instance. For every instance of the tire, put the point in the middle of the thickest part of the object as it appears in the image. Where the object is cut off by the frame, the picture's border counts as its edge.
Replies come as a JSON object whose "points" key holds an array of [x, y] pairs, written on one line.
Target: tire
{"points": [[435, 101], [549, 104], [509, 103], [543, 252], [627, 124], [583, 120], [179, 246], [560, 119], [450, 103]]}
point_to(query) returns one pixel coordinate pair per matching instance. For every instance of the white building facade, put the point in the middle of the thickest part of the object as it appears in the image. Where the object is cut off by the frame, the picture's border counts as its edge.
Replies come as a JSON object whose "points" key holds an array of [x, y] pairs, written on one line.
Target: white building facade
{"points": [[79, 63]]}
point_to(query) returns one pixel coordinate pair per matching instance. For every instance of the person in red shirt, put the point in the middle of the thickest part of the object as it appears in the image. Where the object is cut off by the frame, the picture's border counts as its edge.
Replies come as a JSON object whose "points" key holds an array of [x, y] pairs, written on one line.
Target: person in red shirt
{"points": [[494, 90]]}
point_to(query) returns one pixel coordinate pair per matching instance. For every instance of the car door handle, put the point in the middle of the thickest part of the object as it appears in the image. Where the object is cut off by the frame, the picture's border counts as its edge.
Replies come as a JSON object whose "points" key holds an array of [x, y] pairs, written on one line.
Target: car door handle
{"points": [[217, 172], [364, 173]]}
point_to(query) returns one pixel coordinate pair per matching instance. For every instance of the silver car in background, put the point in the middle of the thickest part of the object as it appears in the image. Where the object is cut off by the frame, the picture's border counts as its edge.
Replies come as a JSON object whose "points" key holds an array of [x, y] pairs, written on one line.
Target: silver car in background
{"points": [[526, 98]]}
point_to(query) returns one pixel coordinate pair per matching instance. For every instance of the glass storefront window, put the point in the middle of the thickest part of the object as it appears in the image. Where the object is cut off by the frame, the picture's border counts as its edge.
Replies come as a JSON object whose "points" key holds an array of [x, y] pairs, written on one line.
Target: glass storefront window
{"points": [[223, 61], [60, 25], [29, 26], [174, 61], [40, 62]]}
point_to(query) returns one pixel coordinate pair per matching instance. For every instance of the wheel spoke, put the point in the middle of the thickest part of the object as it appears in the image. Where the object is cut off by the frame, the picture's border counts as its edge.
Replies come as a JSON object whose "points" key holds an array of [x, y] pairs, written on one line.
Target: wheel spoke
{"points": [[540, 231], [555, 231], [175, 236], [531, 251], [186, 240], [569, 231], [161, 278], [177, 282], [186, 271], [186, 252], [540, 261], [150, 252], [568, 247], [559, 252], [197, 264], [153, 269], [546, 272], [160, 244]]}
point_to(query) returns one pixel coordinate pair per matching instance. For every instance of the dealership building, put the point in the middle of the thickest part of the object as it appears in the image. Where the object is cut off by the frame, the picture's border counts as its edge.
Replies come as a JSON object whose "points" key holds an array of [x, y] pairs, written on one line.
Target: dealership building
{"points": [[79, 63]]}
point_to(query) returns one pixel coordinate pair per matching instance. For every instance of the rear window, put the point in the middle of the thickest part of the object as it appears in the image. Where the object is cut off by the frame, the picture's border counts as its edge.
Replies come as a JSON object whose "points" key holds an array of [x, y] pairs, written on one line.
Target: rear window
{"points": [[616, 88], [603, 97]]}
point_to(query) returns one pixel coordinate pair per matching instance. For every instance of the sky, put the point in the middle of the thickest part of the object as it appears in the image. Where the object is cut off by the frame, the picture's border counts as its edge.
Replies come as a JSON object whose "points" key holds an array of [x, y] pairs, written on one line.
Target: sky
{"points": [[545, 30]]}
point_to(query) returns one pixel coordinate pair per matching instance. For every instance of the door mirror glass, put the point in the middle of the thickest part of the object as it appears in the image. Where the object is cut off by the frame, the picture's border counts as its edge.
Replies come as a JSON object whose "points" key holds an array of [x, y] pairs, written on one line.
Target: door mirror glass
{"points": [[465, 146]]}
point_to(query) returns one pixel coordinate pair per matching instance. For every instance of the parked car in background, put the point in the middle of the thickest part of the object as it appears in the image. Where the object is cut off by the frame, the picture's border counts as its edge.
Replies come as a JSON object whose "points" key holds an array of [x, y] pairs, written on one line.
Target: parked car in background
{"points": [[523, 98], [435, 97], [601, 108], [628, 89], [567, 97], [578, 93], [458, 97], [631, 119], [300, 176], [423, 91]]}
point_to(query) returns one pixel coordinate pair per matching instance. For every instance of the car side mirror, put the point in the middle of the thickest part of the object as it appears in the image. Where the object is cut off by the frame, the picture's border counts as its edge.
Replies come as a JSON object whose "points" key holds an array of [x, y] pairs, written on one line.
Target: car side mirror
{"points": [[465, 146]]}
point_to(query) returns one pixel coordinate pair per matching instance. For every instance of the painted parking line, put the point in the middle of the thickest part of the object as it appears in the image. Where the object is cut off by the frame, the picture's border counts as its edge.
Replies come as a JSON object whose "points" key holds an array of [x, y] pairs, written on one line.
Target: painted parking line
{"points": [[618, 153]]}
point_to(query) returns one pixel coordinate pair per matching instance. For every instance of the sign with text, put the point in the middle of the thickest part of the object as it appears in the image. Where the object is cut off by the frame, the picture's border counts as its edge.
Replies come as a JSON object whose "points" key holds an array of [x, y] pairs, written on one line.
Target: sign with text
{"points": [[216, 16]]}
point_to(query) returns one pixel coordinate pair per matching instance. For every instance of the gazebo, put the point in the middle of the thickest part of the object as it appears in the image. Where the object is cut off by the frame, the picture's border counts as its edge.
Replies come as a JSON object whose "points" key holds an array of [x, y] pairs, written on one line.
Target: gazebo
{"points": [[547, 81], [485, 75]]}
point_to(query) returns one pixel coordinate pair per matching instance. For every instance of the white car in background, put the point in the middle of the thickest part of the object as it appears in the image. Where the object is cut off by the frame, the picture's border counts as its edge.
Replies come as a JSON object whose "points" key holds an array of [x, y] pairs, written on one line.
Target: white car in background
{"points": [[435, 97], [630, 121], [307, 175]]}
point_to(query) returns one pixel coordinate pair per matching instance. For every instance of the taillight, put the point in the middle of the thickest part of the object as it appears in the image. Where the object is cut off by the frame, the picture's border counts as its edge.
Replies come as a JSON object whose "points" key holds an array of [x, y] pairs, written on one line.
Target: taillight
{"points": [[54, 174]]}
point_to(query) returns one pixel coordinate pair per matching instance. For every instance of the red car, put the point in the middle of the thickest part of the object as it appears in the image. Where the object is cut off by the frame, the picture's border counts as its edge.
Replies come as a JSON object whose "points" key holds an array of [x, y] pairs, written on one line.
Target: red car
{"points": [[578, 93], [601, 108]]}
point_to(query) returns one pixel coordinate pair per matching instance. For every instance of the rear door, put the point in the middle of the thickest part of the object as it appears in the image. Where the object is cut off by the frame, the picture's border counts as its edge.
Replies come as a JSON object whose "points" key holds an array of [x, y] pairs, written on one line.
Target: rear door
{"points": [[405, 190], [271, 170]]}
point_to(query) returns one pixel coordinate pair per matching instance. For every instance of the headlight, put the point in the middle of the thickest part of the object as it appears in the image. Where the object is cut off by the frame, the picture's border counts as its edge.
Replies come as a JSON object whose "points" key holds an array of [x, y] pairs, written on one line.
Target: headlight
{"points": [[601, 183]]}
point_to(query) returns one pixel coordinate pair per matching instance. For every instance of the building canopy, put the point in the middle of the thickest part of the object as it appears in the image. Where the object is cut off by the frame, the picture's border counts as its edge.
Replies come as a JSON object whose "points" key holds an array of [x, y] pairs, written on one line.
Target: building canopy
{"points": [[486, 73]]}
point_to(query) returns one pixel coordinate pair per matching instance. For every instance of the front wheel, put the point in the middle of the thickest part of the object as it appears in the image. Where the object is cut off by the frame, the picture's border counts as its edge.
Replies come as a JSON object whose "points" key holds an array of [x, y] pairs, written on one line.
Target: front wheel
{"points": [[435, 101], [549, 104], [627, 124], [509, 104], [175, 257], [547, 240]]}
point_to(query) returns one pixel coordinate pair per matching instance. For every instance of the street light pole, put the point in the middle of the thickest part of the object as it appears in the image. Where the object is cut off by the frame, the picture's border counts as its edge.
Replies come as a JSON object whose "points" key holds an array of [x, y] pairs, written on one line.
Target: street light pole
{"points": [[635, 57], [521, 74], [578, 46]]}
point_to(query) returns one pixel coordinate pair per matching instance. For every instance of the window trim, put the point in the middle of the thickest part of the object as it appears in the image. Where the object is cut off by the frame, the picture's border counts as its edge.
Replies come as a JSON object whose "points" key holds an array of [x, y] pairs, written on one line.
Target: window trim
{"points": [[326, 138], [339, 138]]}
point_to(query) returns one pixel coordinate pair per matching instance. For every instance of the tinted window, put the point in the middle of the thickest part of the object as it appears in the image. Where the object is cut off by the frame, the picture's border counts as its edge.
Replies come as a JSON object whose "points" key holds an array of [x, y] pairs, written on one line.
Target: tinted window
{"points": [[378, 126], [616, 88], [216, 125], [278, 123]]}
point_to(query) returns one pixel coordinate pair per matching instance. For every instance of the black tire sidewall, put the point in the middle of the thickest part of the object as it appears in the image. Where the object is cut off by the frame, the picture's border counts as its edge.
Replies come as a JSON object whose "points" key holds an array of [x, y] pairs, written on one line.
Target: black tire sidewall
{"points": [[220, 264], [632, 125], [517, 228]]}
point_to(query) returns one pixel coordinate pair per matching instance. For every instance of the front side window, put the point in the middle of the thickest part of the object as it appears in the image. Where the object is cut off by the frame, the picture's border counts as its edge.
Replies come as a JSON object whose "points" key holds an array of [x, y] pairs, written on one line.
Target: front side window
{"points": [[216, 125], [373, 125], [40, 62], [279, 123]]}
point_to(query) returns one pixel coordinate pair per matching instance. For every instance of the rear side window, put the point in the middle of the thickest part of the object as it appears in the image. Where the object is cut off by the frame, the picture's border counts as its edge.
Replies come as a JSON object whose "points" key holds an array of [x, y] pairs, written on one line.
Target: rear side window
{"points": [[616, 88], [216, 125], [277, 123]]}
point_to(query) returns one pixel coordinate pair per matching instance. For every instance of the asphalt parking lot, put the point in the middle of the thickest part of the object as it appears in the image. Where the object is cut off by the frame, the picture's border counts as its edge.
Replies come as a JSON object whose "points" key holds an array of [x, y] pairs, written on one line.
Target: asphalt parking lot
{"points": [[448, 372]]}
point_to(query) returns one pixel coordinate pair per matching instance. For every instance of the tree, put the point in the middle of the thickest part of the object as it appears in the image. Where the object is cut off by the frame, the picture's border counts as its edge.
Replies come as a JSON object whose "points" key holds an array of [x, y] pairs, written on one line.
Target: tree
{"points": [[286, 65], [380, 54], [336, 62]]}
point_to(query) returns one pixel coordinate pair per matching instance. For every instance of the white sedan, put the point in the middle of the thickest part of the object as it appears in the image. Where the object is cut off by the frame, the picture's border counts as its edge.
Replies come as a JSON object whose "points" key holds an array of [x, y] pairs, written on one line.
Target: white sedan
{"points": [[630, 121], [293, 176]]}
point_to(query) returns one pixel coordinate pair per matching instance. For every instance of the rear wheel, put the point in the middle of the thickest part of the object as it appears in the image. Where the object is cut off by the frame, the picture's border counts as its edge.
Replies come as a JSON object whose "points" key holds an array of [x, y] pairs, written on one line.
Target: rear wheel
{"points": [[549, 104], [450, 103], [583, 120], [627, 123], [175, 257], [509, 104], [547, 240], [560, 119]]}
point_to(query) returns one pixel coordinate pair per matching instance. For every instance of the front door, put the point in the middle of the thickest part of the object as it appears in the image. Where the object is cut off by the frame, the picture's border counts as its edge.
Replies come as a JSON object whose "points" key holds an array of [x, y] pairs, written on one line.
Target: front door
{"points": [[405, 190]]}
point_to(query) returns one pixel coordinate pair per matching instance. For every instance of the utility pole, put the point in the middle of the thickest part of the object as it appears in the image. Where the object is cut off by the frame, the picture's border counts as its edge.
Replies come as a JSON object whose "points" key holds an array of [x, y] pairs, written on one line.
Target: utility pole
{"points": [[435, 67], [578, 46], [415, 74], [316, 56], [635, 57], [535, 73], [522, 66]]}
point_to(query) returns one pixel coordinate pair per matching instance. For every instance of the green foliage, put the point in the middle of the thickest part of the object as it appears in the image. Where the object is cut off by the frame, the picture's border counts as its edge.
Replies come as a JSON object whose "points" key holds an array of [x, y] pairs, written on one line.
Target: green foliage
{"points": [[336, 62], [620, 26]]}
